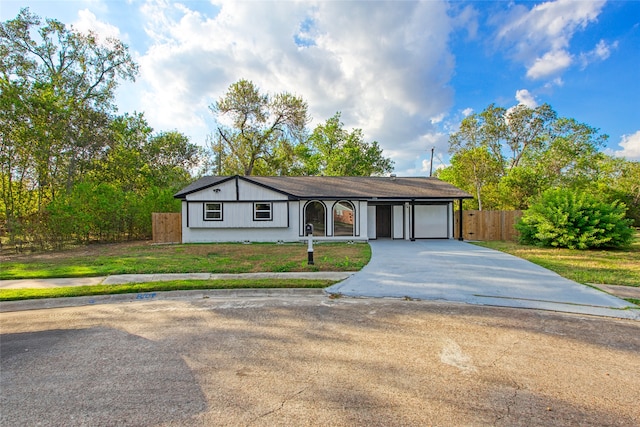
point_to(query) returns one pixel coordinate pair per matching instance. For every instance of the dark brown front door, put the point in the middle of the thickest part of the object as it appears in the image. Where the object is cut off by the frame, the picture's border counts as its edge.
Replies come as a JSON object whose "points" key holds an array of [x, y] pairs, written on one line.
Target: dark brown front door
{"points": [[383, 221]]}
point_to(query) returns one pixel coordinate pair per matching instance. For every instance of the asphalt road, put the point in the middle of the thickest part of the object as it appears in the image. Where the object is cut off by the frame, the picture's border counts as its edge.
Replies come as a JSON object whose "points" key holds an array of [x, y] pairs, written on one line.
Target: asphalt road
{"points": [[305, 359]]}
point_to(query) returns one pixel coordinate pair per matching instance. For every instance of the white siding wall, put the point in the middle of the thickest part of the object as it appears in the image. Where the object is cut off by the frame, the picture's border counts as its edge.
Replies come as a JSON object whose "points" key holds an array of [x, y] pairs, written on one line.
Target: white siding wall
{"points": [[371, 222], [238, 225], [398, 222], [205, 235], [253, 234], [249, 191], [227, 191], [224, 191], [363, 212], [238, 215]]}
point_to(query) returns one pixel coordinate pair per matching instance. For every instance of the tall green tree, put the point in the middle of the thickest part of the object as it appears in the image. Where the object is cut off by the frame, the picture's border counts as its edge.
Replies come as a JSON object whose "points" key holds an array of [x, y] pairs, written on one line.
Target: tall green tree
{"points": [[135, 175], [525, 151], [509, 134], [137, 159], [619, 179], [334, 151], [169, 157], [476, 171], [57, 93], [257, 133]]}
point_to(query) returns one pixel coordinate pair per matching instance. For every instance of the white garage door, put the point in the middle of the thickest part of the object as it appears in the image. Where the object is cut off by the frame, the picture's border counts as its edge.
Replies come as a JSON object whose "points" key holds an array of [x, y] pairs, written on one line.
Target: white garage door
{"points": [[431, 222]]}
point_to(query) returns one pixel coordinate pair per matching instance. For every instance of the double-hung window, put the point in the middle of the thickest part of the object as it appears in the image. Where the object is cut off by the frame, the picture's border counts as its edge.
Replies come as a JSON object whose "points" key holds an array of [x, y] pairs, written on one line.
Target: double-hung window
{"points": [[213, 211], [262, 211]]}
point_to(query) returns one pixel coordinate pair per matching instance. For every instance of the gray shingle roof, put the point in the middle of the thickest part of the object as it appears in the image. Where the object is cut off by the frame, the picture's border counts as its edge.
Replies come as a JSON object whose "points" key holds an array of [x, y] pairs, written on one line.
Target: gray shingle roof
{"points": [[343, 187]]}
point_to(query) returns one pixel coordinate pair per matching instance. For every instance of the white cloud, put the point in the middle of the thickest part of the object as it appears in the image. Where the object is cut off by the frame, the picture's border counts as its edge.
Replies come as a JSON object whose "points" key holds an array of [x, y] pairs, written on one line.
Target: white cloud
{"points": [[385, 66], [467, 112], [437, 119], [600, 52], [468, 20], [603, 50], [87, 21], [630, 147], [523, 96], [557, 82], [551, 63], [540, 37]]}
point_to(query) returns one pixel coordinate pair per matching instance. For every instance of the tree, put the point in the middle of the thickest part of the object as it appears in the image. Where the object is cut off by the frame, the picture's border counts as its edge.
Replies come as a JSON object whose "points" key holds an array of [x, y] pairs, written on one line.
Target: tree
{"points": [[135, 175], [67, 80], [257, 133], [169, 156], [70, 169], [527, 150], [619, 179], [509, 135], [57, 91], [333, 151], [136, 159], [473, 170]]}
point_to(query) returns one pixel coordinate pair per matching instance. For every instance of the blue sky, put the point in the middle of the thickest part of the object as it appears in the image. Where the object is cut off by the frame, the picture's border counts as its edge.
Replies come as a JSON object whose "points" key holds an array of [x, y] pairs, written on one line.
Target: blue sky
{"points": [[404, 72]]}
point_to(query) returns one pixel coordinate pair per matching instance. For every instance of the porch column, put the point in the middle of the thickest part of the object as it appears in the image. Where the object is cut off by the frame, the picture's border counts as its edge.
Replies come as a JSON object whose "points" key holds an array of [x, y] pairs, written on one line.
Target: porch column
{"points": [[412, 235], [460, 224]]}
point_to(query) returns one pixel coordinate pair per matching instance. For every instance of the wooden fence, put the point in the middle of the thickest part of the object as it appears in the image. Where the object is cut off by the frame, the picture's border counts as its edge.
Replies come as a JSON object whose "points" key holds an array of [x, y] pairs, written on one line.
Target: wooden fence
{"points": [[488, 225], [166, 227]]}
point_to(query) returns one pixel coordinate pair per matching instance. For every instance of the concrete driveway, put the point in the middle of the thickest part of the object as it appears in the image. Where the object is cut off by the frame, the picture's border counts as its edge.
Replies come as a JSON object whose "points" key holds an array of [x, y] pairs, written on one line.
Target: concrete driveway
{"points": [[451, 270]]}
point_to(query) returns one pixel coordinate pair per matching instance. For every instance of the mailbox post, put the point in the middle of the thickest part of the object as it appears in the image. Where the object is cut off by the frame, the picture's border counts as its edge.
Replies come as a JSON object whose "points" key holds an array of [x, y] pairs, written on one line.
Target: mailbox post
{"points": [[308, 229]]}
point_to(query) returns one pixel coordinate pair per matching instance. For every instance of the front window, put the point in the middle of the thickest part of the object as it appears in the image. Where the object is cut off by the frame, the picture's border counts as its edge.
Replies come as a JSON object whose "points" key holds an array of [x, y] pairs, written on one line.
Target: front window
{"points": [[314, 214], [343, 219], [213, 211], [262, 212]]}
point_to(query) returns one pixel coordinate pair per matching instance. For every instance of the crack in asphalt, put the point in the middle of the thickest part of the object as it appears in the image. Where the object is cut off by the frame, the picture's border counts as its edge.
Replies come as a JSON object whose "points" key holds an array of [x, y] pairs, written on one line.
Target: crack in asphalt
{"points": [[281, 406], [509, 404], [504, 353]]}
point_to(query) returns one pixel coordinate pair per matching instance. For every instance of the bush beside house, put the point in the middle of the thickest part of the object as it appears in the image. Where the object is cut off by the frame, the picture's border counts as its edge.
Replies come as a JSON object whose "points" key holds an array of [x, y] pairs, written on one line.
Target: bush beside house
{"points": [[576, 220]]}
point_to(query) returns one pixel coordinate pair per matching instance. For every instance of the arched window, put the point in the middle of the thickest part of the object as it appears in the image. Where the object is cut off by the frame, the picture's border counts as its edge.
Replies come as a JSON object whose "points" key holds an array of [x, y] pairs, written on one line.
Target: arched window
{"points": [[343, 219], [315, 213]]}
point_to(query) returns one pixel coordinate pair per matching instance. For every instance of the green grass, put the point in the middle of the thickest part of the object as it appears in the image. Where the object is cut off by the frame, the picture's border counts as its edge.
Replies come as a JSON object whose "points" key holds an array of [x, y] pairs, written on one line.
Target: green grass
{"points": [[141, 258], [610, 267], [76, 291]]}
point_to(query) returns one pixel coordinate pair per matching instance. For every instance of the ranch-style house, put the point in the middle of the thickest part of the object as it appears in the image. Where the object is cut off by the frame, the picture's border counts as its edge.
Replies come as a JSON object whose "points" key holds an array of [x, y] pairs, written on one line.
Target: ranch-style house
{"points": [[277, 208]]}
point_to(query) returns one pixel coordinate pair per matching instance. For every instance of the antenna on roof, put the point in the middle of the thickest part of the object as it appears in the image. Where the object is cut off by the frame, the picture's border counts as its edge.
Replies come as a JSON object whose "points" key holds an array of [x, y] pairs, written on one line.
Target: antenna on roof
{"points": [[431, 163]]}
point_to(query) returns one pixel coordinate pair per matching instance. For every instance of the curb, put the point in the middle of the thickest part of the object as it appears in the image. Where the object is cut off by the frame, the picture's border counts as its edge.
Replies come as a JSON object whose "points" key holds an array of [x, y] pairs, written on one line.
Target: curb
{"points": [[121, 279], [46, 303]]}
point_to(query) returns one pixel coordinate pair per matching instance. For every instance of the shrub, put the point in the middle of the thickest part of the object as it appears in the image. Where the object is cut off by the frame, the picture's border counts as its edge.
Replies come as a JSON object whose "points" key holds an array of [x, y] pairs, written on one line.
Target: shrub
{"points": [[569, 219]]}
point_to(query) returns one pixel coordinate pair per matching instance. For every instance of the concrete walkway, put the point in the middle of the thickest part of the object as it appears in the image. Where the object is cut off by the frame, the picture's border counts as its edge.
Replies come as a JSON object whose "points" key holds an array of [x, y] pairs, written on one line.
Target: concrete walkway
{"points": [[457, 271], [119, 279]]}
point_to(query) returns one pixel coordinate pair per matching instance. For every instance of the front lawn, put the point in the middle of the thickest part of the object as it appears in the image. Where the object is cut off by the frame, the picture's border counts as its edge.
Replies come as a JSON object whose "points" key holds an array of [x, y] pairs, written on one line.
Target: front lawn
{"points": [[609, 267], [174, 285], [143, 257]]}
